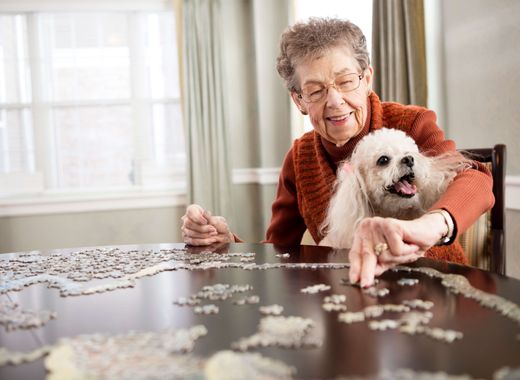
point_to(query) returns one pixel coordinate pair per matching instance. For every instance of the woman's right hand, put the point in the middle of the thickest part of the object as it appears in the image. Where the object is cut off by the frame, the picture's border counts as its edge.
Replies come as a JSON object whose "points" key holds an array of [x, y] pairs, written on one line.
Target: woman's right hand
{"points": [[200, 228], [404, 241]]}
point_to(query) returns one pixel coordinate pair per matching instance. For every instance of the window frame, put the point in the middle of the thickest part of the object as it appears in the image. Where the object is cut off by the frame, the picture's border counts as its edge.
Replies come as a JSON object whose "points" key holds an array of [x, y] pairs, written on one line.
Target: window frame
{"points": [[36, 193]]}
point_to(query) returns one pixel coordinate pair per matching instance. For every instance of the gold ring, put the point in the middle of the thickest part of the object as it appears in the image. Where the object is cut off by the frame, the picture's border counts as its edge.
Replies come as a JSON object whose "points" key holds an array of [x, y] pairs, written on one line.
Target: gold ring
{"points": [[380, 248]]}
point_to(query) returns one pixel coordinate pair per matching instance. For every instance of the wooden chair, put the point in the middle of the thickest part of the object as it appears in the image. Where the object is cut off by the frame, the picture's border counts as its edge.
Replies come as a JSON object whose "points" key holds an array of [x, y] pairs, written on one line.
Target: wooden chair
{"points": [[484, 241]]}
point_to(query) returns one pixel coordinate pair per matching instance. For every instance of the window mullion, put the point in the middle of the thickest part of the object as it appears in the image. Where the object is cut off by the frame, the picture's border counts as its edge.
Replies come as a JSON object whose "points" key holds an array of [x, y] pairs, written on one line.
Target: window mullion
{"points": [[43, 135], [138, 91]]}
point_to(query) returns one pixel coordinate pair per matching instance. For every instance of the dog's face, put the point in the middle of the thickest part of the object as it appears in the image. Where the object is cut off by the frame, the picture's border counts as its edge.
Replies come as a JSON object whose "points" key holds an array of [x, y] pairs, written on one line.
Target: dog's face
{"points": [[392, 168], [386, 176]]}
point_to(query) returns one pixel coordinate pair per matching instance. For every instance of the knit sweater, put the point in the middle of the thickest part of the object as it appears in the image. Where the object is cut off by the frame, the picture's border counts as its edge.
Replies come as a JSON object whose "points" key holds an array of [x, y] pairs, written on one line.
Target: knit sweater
{"points": [[308, 174]]}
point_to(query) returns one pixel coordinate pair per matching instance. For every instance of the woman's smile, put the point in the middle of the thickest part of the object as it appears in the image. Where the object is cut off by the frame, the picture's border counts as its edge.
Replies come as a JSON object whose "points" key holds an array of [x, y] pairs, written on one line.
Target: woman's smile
{"points": [[340, 119]]}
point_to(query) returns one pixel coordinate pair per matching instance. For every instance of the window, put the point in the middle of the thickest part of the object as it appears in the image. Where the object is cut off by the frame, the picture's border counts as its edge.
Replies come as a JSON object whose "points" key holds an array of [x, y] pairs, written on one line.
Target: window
{"points": [[359, 12], [89, 101]]}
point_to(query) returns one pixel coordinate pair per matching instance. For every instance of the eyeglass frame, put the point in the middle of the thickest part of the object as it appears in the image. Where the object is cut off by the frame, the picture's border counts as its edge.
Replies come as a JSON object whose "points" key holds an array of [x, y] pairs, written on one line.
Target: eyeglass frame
{"points": [[333, 84]]}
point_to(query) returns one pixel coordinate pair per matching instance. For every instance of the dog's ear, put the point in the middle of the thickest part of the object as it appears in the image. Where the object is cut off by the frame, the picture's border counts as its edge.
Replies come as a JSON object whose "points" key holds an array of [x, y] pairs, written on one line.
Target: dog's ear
{"points": [[347, 207], [442, 170]]}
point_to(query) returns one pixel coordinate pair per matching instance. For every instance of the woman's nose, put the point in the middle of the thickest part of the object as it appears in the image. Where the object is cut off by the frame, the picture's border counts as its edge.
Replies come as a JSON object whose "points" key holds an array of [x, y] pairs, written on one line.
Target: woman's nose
{"points": [[334, 97]]}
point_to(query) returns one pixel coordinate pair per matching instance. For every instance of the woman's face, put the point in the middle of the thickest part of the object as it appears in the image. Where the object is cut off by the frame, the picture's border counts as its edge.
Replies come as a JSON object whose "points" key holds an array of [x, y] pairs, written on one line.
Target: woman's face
{"points": [[334, 116]]}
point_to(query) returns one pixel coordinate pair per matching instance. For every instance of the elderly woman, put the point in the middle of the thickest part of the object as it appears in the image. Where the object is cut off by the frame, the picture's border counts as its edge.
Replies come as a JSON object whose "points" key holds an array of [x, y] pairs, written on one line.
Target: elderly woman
{"points": [[326, 67]]}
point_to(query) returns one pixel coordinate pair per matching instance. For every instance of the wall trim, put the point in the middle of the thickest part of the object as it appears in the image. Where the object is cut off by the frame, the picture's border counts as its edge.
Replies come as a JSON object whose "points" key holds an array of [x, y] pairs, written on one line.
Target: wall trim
{"points": [[269, 176], [262, 176], [77, 203], [513, 192]]}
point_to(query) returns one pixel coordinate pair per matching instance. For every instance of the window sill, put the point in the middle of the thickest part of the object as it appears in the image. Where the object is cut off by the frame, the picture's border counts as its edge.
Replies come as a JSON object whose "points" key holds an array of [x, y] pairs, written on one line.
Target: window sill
{"points": [[64, 203]]}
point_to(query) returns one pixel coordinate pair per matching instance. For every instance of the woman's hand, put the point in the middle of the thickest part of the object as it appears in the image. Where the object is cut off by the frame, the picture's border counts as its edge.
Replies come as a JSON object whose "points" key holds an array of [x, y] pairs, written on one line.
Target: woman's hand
{"points": [[200, 228], [382, 243]]}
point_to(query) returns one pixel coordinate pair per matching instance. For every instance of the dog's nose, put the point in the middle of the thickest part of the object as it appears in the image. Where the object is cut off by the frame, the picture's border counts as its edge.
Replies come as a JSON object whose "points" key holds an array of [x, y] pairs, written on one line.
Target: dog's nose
{"points": [[408, 161]]}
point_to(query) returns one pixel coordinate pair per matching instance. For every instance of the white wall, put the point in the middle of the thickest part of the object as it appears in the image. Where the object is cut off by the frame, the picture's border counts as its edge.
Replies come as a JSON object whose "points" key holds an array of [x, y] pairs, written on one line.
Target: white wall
{"points": [[481, 62], [152, 225]]}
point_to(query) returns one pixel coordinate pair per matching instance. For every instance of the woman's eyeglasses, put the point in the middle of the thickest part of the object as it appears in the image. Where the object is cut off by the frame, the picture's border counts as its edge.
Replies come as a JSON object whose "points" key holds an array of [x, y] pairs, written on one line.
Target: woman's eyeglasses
{"points": [[315, 92]]}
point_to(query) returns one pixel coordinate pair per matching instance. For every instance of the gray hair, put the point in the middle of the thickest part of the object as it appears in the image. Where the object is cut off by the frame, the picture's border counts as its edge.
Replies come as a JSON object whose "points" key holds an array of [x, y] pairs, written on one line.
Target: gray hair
{"points": [[310, 39]]}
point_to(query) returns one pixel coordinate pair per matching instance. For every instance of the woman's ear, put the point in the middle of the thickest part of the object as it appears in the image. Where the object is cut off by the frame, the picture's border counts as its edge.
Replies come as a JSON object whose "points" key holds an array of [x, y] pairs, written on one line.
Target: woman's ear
{"points": [[369, 76], [299, 103]]}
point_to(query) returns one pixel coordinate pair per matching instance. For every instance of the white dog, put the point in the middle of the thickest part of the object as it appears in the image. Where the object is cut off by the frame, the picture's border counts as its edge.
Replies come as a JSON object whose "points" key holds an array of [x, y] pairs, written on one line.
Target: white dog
{"points": [[386, 176]]}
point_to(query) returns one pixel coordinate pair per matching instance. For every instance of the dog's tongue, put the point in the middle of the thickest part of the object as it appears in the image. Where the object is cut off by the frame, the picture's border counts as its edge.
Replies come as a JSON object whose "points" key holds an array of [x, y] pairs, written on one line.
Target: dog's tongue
{"points": [[404, 187]]}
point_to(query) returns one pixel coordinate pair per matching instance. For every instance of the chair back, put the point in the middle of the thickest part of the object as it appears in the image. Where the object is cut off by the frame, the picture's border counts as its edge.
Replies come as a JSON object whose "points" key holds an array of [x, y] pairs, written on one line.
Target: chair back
{"points": [[484, 241]]}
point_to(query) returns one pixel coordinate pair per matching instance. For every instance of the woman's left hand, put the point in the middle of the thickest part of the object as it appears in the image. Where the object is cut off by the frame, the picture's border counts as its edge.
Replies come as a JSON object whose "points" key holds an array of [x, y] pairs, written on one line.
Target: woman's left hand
{"points": [[382, 243]]}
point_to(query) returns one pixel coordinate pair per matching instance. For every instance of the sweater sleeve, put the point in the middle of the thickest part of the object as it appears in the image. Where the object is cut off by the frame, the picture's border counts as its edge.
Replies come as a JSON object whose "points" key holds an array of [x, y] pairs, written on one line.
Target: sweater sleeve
{"points": [[471, 192], [287, 225]]}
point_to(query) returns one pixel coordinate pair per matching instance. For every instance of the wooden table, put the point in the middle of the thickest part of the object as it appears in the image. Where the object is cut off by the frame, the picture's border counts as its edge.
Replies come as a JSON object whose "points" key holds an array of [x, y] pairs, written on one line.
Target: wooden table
{"points": [[490, 340]]}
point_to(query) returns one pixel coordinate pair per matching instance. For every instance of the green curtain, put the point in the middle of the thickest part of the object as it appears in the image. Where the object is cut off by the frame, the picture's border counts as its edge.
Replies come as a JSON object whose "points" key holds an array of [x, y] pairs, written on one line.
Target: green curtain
{"points": [[399, 51], [209, 169]]}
